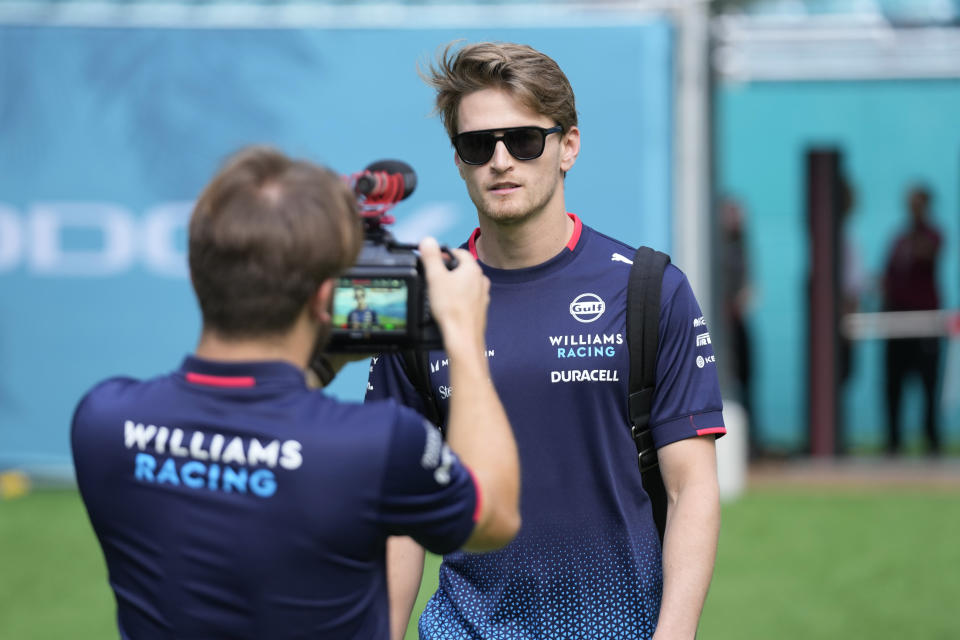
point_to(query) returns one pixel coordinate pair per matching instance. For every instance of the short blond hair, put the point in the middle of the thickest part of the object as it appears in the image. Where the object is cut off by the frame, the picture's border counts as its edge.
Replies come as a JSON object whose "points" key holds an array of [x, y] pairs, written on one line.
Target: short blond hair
{"points": [[531, 77]]}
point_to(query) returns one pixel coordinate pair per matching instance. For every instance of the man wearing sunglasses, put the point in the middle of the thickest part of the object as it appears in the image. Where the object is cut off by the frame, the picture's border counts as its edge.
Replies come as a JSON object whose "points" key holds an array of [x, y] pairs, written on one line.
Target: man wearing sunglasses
{"points": [[588, 561]]}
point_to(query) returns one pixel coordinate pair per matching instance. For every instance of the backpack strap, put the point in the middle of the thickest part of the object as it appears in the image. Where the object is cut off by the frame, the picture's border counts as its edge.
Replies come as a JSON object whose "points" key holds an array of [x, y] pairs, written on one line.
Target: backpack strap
{"points": [[643, 325], [416, 364]]}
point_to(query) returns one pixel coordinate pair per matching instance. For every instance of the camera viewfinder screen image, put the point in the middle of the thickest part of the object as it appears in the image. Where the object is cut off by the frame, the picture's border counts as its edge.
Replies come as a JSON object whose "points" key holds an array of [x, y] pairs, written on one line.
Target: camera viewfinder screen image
{"points": [[371, 305]]}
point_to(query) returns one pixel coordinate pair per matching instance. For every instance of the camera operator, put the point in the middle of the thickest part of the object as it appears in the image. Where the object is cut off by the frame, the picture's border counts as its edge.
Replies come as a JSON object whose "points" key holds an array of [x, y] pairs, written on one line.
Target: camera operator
{"points": [[233, 501]]}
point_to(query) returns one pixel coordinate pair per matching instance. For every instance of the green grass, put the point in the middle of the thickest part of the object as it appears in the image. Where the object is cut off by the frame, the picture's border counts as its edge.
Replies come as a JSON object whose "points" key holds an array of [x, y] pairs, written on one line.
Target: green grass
{"points": [[792, 564], [53, 581], [809, 564]]}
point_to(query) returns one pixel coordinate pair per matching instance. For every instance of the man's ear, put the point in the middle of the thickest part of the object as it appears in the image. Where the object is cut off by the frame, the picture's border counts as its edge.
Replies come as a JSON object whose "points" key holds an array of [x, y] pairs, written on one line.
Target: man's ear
{"points": [[456, 161], [321, 302], [569, 148]]}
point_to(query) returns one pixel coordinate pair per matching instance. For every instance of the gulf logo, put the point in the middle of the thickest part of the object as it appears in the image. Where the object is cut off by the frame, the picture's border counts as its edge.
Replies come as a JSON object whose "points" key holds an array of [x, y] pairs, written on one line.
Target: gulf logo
{"points": [[587, 307]]}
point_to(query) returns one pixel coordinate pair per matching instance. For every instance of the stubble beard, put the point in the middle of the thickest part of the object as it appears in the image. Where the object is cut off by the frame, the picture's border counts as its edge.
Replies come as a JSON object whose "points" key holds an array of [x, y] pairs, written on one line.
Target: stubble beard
{"points": [[512, 211]]}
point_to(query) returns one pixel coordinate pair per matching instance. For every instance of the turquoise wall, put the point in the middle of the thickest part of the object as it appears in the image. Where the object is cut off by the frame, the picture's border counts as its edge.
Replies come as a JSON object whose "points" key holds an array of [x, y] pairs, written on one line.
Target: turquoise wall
{"points": [[109, 133], [891, 133]]}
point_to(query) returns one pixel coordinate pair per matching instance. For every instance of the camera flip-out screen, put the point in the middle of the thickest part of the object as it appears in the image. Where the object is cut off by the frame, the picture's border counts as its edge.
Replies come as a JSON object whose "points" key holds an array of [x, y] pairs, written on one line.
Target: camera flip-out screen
{"points": [[370, 306]]}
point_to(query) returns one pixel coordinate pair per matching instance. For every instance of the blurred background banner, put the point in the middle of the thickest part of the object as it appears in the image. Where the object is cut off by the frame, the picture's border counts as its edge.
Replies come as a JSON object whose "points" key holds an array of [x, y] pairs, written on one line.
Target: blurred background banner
{"points": [[112, 122], [113, 115]]}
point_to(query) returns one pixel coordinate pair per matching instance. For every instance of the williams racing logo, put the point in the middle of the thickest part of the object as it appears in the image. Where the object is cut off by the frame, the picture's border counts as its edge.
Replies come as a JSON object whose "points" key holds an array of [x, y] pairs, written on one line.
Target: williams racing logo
{"points": [[587, 307], [211, 461]]}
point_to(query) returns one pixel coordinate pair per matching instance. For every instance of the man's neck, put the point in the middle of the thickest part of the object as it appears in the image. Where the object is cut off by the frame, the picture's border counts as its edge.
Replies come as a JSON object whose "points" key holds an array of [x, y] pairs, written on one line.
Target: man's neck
{"points": [[293, 347], [524, 244]]}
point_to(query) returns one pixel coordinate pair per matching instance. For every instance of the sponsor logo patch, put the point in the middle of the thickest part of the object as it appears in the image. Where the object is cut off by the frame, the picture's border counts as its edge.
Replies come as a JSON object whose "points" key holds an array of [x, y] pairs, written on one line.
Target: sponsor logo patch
{"points": [[587, 307], [704, 361], [585, 375]]}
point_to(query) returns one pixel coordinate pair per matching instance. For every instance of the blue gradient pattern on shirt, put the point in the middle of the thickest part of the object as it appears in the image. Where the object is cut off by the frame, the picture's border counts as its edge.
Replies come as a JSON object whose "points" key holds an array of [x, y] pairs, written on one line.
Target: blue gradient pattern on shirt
{"points": [[586, 563]]}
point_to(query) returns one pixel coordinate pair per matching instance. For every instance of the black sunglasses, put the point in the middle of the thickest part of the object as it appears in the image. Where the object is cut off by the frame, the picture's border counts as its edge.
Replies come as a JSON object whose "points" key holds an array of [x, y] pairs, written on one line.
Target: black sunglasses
{"points": [[523, 143]]}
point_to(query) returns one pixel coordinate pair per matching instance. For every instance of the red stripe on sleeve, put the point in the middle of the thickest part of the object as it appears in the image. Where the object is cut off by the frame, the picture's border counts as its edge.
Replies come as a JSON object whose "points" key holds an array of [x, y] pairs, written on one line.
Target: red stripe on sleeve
{"points": [[221, 381], [706, 432]]}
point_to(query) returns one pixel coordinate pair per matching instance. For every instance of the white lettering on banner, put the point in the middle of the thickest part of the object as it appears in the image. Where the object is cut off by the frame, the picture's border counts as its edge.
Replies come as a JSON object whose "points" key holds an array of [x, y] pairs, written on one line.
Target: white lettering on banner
{"points": [[445, 392], [585, 375], [11, 242], [702, 362], [703, 339], [161, 224], [38, 239], [699, 322], [48, 223]]}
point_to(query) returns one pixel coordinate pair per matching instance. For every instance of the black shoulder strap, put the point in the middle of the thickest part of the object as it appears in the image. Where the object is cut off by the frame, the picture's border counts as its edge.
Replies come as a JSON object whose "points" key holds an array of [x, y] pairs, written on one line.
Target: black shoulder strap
{"points": [[416, 365], [643, 325]]}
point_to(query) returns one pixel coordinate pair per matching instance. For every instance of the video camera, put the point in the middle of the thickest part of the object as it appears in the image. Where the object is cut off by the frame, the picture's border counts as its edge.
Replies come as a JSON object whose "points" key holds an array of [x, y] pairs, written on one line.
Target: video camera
{"points": [[381, 303]]}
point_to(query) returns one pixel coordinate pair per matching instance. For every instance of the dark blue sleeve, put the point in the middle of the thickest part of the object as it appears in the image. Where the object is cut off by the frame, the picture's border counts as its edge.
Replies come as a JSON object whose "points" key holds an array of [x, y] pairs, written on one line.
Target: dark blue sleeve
{"points": [[387, 379], [686, 399], [93, 433], [427, 493]]}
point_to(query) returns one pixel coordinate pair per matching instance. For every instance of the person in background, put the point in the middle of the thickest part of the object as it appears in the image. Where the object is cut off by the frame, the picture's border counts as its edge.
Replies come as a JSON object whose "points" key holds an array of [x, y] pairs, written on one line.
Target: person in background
{"points": [[853, 284], [588, 561], [910, 284], [737, 294], [233, 501]]}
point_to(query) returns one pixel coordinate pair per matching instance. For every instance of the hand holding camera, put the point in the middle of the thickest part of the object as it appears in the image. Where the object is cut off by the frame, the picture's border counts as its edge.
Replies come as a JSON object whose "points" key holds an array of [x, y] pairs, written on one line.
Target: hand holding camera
{"points": [[459, 295], [381, 304]]}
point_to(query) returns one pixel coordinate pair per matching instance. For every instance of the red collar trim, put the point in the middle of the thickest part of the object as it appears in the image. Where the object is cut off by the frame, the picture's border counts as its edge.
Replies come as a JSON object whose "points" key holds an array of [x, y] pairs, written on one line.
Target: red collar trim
{"points": [[577, 230], [571, 244], [472, 243], [221, 381]]}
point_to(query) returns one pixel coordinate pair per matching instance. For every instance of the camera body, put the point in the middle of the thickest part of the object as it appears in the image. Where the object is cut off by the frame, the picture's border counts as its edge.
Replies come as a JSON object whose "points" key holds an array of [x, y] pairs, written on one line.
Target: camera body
{"points": [[381, 303]]}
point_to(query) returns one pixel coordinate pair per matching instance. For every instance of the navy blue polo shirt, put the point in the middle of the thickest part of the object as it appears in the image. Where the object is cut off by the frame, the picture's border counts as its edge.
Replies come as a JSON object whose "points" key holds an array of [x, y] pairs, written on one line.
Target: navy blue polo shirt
{"points": [[232, 501], [586, 563]]}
